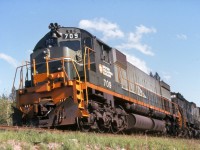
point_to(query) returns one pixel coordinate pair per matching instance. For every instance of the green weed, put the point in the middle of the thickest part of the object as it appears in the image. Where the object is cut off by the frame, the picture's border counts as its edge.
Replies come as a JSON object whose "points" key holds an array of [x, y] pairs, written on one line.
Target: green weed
{"points": [[89, 141]]}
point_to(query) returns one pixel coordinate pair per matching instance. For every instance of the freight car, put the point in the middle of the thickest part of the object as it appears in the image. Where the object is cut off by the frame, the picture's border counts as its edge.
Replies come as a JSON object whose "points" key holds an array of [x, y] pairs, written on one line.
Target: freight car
{"points": [[75, 79]]}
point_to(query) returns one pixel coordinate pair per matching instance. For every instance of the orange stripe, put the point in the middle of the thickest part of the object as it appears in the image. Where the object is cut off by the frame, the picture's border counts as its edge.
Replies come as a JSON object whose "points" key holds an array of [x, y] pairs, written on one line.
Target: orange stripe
{"points": [[125, 97]]}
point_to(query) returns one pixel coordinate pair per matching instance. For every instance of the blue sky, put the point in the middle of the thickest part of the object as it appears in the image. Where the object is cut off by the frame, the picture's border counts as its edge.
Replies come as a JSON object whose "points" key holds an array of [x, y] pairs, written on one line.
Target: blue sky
{"points": [[157, 36]]}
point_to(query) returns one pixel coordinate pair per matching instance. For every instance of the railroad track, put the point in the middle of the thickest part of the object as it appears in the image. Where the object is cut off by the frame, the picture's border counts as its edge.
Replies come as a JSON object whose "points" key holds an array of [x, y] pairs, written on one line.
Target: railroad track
{"points": [[19, 128]]}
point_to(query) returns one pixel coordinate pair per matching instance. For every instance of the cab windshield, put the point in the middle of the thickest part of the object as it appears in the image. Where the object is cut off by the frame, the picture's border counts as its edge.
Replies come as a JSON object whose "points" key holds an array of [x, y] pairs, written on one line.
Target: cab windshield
{"points": [[74, 45]]}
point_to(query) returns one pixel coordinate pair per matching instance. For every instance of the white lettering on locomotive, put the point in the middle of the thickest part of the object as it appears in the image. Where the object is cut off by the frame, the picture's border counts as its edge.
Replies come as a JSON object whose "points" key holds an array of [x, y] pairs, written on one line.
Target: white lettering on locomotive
{"points": [[105, 71], [71, 36], [107, 83]]}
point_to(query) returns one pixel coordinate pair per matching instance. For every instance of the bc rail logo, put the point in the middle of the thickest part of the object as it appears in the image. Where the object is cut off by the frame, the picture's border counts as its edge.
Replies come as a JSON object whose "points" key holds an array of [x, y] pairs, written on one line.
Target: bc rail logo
{"points": [[105, 71]]}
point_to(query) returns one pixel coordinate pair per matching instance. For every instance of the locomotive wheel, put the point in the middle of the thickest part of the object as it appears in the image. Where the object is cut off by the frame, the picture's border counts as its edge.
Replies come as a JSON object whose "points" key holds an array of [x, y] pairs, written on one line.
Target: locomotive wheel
{"points": [[83, 125], [114, 128], [102, 128]]}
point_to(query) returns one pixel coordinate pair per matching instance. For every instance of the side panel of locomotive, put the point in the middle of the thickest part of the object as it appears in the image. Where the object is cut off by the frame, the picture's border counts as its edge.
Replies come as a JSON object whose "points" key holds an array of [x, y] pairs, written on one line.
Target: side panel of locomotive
{"points": [[119, 85], [113, 72], [139, 85], [103, 74]]}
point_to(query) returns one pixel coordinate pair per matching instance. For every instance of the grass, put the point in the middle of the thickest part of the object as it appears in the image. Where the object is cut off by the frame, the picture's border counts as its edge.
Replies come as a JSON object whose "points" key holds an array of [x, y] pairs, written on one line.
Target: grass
{"points": [[31, 139]]}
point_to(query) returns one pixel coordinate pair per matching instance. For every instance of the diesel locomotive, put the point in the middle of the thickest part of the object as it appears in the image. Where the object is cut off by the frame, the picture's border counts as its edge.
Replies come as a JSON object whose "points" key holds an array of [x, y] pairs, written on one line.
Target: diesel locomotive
{"points": [[74, 79]]}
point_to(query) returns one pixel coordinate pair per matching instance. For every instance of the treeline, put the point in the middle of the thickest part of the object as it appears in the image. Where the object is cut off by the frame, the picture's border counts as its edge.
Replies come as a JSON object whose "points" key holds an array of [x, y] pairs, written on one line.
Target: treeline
{"points": [[6, 110]]}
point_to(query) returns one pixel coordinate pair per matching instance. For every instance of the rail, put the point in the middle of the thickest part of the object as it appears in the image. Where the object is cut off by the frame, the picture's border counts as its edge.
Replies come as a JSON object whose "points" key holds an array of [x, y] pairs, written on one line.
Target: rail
{"points": [[28, 65], [63, 60], [21, 84], [26, 128], [86, 53]]}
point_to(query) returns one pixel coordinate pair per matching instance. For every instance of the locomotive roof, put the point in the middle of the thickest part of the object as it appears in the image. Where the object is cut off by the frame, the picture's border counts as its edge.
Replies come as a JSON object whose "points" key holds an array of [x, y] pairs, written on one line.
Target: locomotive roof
{"points": [[42, 41]]}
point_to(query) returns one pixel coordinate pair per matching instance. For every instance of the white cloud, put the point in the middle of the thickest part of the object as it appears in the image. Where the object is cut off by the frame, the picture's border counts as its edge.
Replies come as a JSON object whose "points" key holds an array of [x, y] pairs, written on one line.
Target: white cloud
{"points": [[181, 36], [108, 29], [111, 31], [134, 40], [9, 59], [137, 62]]}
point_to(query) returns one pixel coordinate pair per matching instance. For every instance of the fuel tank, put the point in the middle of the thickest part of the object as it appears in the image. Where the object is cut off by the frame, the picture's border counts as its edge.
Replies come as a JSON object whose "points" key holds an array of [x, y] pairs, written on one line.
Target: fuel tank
{"points": [[144, 123]]}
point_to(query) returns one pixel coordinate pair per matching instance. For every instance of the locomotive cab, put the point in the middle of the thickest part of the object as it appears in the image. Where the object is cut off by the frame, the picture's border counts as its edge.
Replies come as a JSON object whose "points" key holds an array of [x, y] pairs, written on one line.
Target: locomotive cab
{"points": [[62, 44]]}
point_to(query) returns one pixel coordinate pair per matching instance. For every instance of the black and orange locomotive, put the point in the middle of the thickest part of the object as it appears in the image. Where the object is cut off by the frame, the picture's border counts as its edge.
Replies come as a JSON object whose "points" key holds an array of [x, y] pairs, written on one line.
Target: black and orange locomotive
{"points": [[75, 79]]}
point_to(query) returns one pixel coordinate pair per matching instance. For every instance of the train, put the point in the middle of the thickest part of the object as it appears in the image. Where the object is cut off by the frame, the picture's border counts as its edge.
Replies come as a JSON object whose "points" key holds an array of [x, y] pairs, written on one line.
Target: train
{"points": [[74, 79]]}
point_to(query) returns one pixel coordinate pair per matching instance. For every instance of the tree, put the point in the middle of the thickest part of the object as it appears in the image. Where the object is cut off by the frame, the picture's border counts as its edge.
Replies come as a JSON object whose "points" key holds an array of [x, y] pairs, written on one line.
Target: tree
{"points": [[6, 110], [12, 95]]}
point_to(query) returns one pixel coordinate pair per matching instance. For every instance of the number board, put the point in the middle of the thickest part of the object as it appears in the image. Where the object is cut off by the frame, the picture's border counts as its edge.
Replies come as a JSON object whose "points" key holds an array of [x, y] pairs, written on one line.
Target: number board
{"points": [[50, 41], [71, 35]]}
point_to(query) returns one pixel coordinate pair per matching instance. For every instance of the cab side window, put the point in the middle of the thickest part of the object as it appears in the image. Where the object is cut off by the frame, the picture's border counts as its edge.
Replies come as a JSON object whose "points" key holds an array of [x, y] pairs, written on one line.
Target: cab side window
{"points": [[88, 42], [105, 54]]}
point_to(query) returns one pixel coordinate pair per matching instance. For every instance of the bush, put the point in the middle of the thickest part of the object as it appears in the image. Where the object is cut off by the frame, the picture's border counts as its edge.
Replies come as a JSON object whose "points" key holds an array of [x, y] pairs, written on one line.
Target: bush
{"points": [[5, 111]]}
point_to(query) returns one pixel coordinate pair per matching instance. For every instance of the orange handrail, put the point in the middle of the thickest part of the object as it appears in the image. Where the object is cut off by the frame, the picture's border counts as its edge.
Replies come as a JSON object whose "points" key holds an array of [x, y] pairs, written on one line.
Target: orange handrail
{"points": [[86, 52], [34, 64]]}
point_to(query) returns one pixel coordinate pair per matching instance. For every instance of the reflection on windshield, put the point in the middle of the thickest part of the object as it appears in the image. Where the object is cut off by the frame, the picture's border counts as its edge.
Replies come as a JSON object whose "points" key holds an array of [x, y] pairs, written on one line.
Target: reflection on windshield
{"points": [[74, 45]]}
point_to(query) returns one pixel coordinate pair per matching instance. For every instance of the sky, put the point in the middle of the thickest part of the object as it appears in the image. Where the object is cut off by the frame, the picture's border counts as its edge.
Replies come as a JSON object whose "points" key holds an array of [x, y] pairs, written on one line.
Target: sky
{"points": [[157, 36]]}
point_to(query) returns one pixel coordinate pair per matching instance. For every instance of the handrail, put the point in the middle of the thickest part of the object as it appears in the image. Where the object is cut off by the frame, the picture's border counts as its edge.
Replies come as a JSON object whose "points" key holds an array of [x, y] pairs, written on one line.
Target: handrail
{"points": [[19, 67], [34, 67], [47, 65], [63, 59], [76, 71], [86, 52], [64, 70]]}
